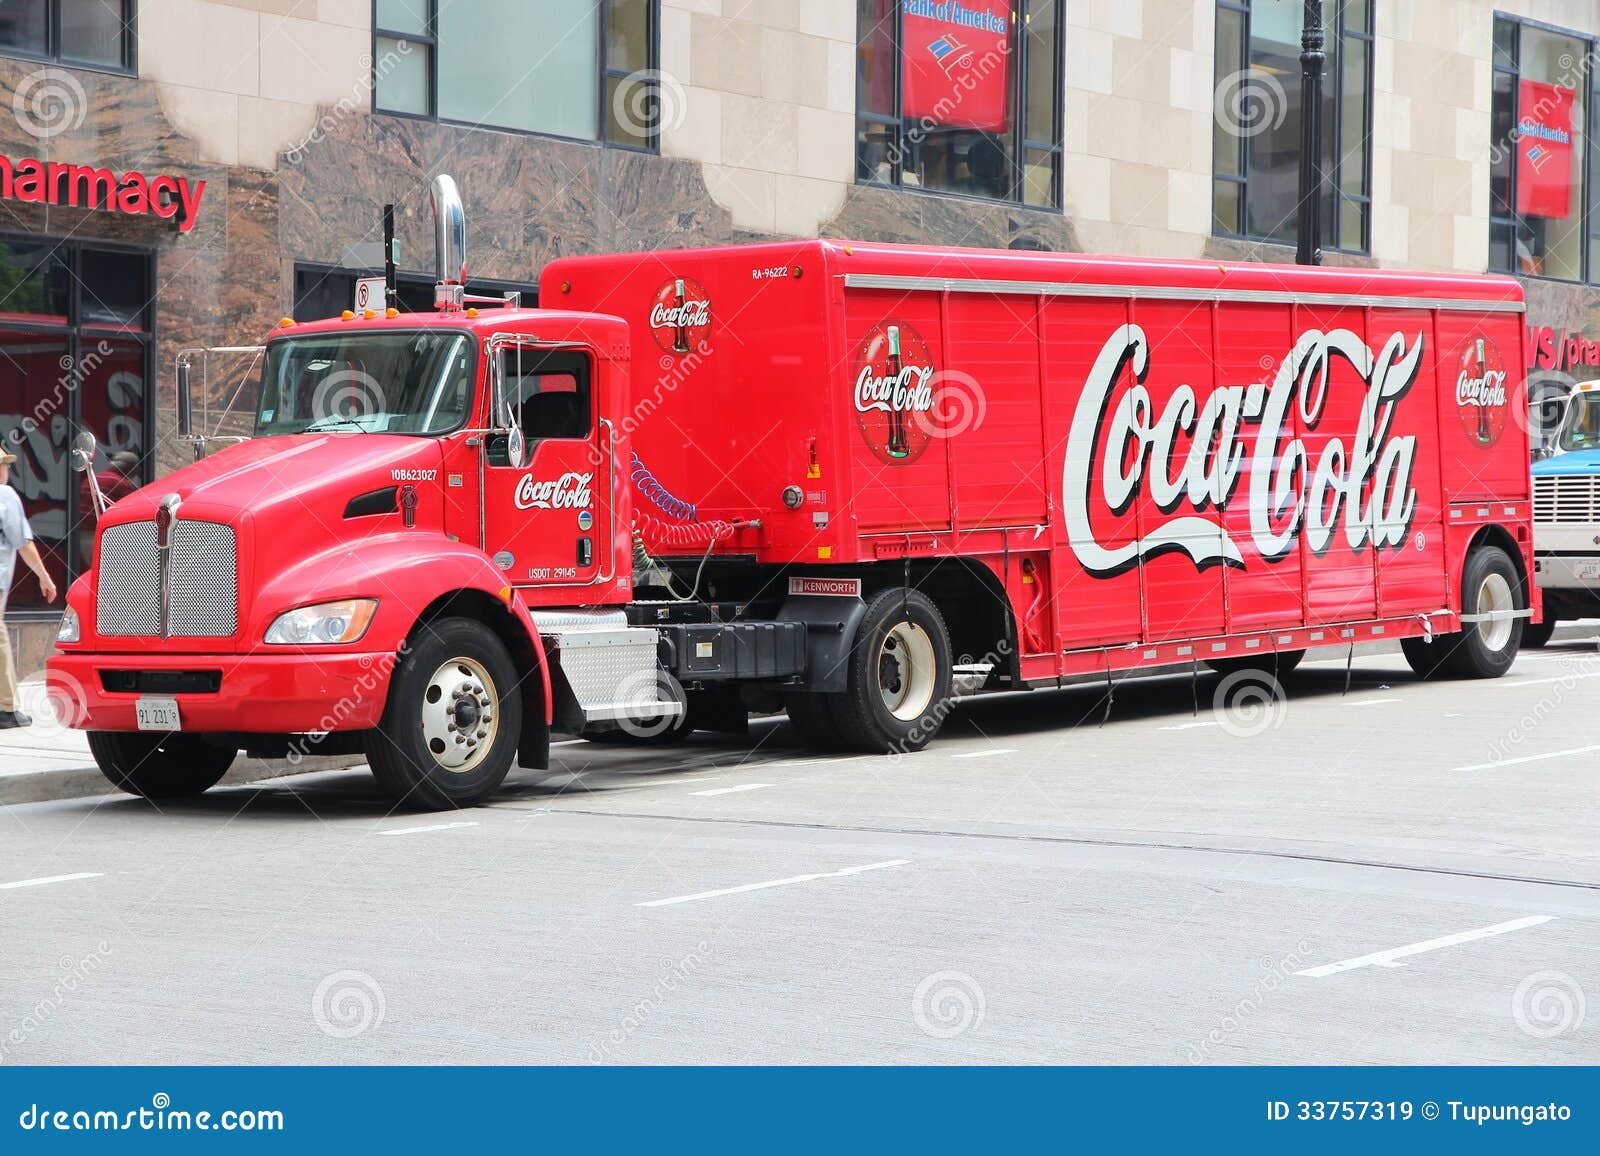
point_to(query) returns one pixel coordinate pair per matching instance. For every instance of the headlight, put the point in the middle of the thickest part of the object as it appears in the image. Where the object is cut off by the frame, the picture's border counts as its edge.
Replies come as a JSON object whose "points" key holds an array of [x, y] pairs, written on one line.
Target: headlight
{"points": [[324, 624], [69, 630]]}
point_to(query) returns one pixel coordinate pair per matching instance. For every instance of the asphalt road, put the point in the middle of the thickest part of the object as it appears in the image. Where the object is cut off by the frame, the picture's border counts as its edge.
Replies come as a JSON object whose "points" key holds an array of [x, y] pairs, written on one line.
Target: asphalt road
{"points": [[1173, 886]]}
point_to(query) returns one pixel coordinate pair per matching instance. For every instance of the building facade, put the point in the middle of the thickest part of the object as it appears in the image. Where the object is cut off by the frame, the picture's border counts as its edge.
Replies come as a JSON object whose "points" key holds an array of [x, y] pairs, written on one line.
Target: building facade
{"points": [[183, 173]]}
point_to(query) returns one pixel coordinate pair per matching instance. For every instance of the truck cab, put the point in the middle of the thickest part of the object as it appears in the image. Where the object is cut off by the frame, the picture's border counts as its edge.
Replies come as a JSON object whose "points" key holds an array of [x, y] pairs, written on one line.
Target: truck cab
{"points": [[1566, 517]]}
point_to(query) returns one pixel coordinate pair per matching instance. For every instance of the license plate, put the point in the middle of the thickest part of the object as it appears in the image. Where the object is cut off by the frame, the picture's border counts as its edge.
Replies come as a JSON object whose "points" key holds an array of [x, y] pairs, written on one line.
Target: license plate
{"points": [[1586, 571], [157, 714]]}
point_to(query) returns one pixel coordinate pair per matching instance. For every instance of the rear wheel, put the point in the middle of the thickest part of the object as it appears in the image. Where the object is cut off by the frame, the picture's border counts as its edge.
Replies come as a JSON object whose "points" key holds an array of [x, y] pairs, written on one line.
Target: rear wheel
{"points": [[159, 766], [1281, 664], [1537, 634], [1492, 593], [449, 732], [899, 675]]}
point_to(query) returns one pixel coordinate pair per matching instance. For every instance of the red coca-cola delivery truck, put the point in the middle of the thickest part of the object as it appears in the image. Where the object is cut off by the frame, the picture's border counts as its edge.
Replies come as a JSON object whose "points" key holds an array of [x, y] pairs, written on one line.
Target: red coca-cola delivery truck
{"points": [[853, 481]]}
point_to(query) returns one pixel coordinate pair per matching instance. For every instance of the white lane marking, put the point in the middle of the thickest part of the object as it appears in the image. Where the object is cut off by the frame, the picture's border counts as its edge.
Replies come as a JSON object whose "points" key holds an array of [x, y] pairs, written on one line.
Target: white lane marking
{"points": [[731, 790], [773, 883], [51, 879], [1527, 759], [1540, 681], [1392, 957], [1192, 725], [1368, 701], [986, 754], [820, 762], [430, 827]]}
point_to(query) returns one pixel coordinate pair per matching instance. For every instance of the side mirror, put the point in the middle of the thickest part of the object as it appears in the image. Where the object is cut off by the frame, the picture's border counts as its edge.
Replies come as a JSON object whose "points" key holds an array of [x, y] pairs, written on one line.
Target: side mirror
{"points": [[516, 448], [505, 418], [185, 412], [83, 447]]}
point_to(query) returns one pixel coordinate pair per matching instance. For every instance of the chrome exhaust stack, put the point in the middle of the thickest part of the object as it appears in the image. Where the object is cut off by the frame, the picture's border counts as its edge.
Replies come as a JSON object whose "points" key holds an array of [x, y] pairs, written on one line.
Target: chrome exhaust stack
{"points": [[449, 245]]}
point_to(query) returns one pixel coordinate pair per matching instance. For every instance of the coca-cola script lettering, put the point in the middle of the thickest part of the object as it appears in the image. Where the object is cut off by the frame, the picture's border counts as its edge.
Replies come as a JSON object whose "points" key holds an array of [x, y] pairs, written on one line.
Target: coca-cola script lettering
{"points": [[1191, 456], [568, 492], [1481, 391], [893, 392], [680, 316]]}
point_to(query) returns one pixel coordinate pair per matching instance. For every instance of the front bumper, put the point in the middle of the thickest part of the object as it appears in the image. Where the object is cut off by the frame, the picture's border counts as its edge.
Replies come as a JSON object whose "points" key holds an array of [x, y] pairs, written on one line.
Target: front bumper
{"points": [[1565, 572], [258, 693]]}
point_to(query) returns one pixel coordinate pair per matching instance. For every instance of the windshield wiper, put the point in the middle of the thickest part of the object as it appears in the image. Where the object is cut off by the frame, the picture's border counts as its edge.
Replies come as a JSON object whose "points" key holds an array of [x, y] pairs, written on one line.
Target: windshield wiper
{"points": [[327, 423]]}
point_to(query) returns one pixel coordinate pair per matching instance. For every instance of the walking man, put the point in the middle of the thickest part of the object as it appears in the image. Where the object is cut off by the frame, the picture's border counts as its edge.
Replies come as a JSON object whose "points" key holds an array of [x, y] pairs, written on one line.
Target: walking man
{"points": [[16, 537]]}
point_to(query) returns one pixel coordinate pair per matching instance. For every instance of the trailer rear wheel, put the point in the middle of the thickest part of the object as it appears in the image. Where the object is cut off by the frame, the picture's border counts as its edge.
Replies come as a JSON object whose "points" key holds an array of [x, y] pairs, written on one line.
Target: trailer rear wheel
{"points": [[1538, 634], [449, 732], [1490, 585], [159, 766], [899, 675], [1281, 664]]}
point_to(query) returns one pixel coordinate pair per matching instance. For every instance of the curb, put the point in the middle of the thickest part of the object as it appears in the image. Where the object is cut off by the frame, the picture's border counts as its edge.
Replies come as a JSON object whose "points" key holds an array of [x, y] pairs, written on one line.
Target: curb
{"points": [[86, 782]]}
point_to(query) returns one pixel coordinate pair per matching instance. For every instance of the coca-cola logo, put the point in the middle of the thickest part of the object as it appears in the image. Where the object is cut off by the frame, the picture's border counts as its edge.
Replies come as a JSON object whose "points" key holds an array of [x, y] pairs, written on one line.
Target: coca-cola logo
{"points": [[1192, 457], [1481, 393], [893, 392], [680, 315], [568, 492]]}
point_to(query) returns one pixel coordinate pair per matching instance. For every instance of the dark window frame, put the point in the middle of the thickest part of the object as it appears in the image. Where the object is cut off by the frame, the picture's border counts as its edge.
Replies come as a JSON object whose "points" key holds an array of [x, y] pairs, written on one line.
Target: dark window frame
{"points": [[1022, 144], [430, 40], [78, 334], [1589, 235], [1337, 33], [53, 55]]}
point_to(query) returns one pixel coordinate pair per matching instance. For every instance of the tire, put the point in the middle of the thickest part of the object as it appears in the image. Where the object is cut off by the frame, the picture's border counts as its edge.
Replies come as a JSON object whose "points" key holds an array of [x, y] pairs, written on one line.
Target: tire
{"points": [[1489, 582], [157, 766], [450, 729], [812, 717], [1538, 634], [1282, 663], [899, 675]]}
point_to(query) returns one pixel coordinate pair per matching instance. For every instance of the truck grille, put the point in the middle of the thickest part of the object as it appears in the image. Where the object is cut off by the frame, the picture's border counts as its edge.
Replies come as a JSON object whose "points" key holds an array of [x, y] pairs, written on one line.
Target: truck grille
{"points": [[1566, 498], [202, 602]]}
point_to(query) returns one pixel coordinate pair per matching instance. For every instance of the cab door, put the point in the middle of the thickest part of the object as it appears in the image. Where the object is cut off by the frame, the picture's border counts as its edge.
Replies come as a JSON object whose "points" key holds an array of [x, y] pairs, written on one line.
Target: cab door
{"points": [[547, 523]]}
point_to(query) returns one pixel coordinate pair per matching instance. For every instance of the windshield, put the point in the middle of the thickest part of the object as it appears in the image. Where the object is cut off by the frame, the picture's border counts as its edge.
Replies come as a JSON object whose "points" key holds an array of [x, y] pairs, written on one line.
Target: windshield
{"points": [[1582, 428], [410, 383]]}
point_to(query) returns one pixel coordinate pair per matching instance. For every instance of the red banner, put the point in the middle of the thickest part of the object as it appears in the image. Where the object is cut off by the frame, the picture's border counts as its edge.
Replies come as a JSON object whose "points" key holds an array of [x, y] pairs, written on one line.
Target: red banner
{"points": [[958, 62], [1544, 149]]}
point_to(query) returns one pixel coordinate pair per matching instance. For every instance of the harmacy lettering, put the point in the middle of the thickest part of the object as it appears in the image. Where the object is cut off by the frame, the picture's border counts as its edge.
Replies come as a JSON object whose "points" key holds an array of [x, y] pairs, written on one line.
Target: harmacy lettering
{"points": [[688, 315], [568, 492], [1363, 488], [905, 392], [37, 182]]}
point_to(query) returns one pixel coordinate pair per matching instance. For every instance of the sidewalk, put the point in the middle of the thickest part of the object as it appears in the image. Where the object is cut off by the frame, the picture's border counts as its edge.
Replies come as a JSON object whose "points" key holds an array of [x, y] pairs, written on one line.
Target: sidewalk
{"points": [[49, 761]]}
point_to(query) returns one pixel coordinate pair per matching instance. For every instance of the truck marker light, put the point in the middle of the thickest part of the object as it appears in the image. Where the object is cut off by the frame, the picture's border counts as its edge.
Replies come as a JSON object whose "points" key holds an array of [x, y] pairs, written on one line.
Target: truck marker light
{"points": [[347, 315], [824, 552], [505, 595], [286, 323]]}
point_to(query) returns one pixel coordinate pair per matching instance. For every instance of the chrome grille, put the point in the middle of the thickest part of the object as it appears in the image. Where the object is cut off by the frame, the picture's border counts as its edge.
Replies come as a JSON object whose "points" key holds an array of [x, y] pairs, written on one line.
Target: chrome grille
{"points": [[203, 599], [1566, 498]]}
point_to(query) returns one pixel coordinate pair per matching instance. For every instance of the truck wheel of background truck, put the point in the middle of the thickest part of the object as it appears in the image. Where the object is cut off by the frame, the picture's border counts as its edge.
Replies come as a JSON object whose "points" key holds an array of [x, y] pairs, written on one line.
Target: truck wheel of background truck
{"points": [[450, 729], [899, 675], [159, 766], [1489, 584], [1537, 634]]}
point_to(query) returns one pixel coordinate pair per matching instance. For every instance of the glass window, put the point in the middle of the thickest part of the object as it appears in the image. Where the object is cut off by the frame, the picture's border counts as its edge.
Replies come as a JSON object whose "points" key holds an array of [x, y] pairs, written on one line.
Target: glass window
{"points": [[1256, 142], [1541, 102], [62, 369], [412, 383], [548, 392], [548, 66], [970, 107], [93, 32]]}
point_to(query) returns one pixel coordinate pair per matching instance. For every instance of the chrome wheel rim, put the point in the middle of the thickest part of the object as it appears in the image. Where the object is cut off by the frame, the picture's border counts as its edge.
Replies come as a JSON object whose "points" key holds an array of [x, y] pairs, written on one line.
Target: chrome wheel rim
{"points": [[1495, 597], [460, 715], [906, 668]]}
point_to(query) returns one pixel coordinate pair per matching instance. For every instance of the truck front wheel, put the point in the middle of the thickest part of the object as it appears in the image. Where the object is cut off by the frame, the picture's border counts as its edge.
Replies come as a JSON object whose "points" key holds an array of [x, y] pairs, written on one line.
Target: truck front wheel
{"points": [[899, 681], [159, 766], [449, 732]]}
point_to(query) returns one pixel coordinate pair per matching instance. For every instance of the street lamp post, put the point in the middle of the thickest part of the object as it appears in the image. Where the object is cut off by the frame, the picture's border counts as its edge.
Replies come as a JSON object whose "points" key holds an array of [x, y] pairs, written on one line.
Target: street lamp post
{"points": [[1308, 248]]}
